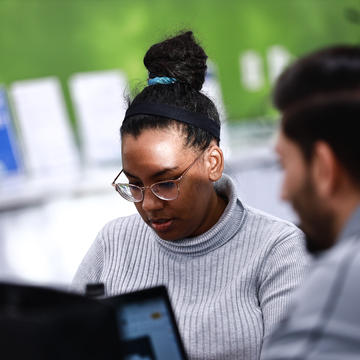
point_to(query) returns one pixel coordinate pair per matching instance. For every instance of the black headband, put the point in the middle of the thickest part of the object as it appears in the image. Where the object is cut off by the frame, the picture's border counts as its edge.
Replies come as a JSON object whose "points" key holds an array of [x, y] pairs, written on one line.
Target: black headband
{"points": [[172, 112]]}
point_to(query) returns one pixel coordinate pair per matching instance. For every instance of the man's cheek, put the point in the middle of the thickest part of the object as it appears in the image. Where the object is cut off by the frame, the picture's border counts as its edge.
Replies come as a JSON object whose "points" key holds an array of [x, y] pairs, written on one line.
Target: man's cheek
{"points": [[285, 188]]}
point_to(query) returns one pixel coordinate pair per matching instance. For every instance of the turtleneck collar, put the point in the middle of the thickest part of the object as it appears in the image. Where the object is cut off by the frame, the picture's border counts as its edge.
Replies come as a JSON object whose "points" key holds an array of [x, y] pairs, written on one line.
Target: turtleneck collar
{"points": [[227, 226]]}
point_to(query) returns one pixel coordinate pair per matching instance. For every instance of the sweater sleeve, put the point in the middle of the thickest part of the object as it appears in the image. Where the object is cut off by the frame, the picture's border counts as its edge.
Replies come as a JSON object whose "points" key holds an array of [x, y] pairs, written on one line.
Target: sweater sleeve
{"points": [[90, 268], [283, 271]]}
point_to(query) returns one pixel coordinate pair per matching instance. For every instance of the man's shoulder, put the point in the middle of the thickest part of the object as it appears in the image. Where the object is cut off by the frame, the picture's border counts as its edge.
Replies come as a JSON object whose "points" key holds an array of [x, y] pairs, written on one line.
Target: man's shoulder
{"points": [[344, 262], [325, 305], [336, 270], [345, 253]]}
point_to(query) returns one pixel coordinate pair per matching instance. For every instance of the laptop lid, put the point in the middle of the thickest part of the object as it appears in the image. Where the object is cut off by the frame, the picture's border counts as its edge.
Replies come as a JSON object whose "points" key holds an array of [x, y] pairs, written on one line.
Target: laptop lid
{"points": [[42, 323], [147, 326]]}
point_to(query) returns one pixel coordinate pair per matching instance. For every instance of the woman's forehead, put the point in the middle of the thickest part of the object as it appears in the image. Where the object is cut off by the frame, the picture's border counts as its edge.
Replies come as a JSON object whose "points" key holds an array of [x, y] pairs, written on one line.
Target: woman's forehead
{"points": [[155, 147], [169, 140]]}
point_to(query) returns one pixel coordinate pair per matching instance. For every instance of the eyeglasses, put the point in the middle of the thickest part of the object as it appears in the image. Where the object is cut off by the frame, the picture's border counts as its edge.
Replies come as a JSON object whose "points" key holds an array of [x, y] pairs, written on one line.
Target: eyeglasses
{"points": [[164, 190]]}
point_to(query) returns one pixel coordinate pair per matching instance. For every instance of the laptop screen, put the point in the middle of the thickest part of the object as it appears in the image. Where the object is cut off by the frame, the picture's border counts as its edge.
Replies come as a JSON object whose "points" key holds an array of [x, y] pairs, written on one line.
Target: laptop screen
{"points": [[147, 326]]}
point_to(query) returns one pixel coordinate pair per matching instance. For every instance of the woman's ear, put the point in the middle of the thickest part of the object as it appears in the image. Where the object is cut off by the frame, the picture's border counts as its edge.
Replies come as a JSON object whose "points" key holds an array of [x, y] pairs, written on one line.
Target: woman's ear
{"points": [[214, 162]]}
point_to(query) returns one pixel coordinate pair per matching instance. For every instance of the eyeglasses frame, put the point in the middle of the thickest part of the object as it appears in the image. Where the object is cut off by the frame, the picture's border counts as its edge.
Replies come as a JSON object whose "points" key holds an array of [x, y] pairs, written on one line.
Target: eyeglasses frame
{"points": [[143, 188]]}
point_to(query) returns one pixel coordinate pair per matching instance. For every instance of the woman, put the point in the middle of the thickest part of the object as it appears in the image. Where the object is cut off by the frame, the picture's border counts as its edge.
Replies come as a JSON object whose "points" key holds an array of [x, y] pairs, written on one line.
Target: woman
{"points": [[229, 269]]}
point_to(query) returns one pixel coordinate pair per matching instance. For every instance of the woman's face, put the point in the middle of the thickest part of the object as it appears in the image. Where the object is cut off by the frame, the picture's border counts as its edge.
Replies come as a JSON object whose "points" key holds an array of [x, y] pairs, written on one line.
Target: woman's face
{"points": [[157, 155]]}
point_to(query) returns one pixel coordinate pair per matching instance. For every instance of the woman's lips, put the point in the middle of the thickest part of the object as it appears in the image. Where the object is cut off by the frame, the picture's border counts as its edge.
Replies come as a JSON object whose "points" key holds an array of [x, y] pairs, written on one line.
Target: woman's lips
{"points": [[161, 225]]}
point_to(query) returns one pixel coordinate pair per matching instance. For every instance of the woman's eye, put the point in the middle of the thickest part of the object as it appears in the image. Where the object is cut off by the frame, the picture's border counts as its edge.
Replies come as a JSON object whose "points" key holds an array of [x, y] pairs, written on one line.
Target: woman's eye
{"points": [[166, 185], [135, 183]]}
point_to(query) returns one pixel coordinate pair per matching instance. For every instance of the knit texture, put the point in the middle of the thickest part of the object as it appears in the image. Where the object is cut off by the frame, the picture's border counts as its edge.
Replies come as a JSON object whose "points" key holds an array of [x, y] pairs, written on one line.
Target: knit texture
{"points": [[228, 287]]}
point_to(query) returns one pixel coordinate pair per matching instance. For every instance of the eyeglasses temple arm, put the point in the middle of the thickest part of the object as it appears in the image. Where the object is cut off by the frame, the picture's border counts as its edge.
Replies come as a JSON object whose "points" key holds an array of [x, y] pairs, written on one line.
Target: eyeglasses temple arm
{"points": [[113, 183]]}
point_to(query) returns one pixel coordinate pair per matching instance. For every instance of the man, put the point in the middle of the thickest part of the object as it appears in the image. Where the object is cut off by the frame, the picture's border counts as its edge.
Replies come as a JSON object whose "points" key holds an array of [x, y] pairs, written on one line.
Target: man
{"points": [[319, 149]]}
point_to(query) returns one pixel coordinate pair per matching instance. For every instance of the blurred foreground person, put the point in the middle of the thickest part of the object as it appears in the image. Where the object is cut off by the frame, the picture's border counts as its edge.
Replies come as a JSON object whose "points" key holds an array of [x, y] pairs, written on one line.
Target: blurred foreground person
{"points": [[319, 149], [229, 269]]}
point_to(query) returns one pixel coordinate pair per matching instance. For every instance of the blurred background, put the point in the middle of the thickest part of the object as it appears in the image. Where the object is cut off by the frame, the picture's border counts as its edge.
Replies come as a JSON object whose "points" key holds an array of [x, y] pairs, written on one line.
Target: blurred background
{"points": [[66, 67]]}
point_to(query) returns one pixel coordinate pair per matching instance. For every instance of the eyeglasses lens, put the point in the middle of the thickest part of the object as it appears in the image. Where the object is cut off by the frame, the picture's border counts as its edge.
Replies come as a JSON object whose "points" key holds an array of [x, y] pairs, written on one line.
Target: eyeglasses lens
{"points": [[166, 190], [129, 192]]}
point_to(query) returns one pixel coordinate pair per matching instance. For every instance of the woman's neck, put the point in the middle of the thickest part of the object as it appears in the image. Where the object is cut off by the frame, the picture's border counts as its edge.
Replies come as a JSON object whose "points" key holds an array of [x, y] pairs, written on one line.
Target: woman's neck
{"points": [[217, 204]]}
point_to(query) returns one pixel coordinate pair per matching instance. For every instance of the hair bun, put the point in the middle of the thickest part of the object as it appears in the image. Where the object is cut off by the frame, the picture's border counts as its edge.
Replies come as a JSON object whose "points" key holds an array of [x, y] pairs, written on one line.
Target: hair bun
{"points": [[179, 57]]}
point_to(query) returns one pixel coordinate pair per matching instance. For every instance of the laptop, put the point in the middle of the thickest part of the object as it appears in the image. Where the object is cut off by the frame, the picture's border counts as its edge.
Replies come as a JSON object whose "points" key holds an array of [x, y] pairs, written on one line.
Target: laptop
{"points": [[42, 323], [147, 326]]}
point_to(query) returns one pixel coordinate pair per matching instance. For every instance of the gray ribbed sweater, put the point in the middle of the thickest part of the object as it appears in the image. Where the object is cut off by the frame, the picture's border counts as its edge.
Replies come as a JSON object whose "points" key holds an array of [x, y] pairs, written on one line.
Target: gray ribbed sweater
{"points": [[228, 286]]}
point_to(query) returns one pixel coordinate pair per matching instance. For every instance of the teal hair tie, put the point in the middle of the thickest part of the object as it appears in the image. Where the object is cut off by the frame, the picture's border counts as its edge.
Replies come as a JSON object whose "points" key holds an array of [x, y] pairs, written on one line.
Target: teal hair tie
{"points": [[161, 80]]}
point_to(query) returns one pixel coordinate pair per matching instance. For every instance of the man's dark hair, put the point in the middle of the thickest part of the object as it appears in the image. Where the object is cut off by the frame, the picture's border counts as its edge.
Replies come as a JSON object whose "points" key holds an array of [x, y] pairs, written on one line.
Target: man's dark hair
{"points": [[179, 57], [319, 97]]}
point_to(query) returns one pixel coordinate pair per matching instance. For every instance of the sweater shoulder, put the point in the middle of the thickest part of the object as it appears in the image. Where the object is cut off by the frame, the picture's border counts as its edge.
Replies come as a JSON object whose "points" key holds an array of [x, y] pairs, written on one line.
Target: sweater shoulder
{"points": [[123, 221], [276, 229], [123, 227], [270, 220]]}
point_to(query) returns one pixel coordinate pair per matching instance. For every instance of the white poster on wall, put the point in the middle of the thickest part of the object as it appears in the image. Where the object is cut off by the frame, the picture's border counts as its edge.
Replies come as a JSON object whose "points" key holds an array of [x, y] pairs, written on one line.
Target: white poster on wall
{"points": [[99, 100], [48, 141]]}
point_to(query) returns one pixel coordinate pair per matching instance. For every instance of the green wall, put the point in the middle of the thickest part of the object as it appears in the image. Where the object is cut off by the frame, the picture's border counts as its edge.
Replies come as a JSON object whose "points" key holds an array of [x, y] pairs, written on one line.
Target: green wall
{"points": [[60, 37]]}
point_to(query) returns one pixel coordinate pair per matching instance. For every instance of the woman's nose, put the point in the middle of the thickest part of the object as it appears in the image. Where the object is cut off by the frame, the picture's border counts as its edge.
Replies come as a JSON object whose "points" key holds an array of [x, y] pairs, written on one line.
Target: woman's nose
{"points": [[151, 202]]}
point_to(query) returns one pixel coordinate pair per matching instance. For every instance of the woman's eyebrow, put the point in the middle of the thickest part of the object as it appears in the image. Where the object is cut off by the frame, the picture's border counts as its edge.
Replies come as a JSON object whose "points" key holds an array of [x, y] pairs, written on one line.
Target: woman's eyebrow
{"points": [[155, 175], [129, 175], [164, 172]]}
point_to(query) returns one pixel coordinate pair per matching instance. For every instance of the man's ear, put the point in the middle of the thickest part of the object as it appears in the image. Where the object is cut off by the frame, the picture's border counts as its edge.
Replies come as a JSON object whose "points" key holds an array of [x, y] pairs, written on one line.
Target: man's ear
{"points": [[214, 162], [326, 171]]}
